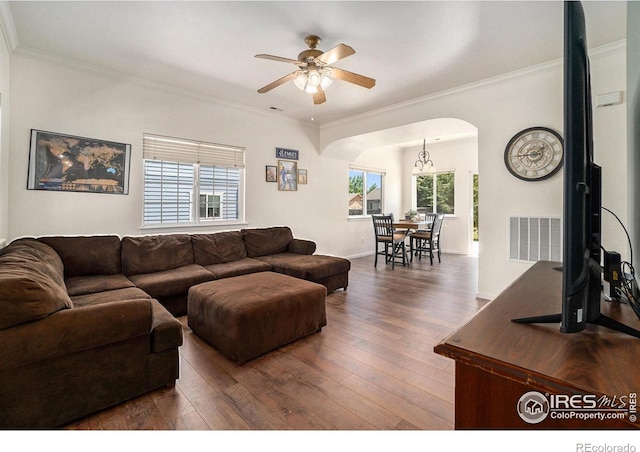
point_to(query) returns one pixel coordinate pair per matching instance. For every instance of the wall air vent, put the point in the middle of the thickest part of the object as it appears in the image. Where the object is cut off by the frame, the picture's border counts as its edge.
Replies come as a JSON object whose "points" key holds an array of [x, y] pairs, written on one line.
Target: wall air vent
{"points": [[535, 239]]}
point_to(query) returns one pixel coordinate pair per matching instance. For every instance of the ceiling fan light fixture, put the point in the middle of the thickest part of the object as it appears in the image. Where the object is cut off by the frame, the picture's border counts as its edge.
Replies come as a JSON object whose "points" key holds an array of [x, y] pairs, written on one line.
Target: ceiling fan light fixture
{"points": [[311, 89], [313, 78], [301, 81], [315, 73], [325, 81], [310, 80]]}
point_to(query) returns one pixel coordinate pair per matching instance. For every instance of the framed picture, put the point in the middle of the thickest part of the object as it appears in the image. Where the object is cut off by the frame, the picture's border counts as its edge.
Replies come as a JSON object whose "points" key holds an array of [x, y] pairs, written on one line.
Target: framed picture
{"points": [[287, 175], [302, 176], [60, 162], [271, 172]]}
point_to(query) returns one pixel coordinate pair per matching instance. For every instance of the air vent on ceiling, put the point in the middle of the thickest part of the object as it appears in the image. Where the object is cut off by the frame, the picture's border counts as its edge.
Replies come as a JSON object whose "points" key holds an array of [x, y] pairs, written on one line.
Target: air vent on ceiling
{"points": [[535, 239]]}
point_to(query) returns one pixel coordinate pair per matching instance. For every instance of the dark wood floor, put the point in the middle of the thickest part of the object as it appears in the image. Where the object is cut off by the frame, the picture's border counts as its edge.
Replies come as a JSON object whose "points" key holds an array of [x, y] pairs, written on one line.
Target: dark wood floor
{"points": [[371, 368]]}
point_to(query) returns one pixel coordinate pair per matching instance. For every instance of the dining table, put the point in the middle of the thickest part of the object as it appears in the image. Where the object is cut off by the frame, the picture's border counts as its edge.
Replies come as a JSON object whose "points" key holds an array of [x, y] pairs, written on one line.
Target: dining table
{"points": [[411, 225]]}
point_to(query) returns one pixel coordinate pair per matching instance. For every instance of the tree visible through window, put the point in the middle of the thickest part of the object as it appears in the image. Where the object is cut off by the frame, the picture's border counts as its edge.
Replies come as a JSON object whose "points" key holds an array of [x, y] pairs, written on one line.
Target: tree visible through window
{"points": [[365, 192], [435, 193]]}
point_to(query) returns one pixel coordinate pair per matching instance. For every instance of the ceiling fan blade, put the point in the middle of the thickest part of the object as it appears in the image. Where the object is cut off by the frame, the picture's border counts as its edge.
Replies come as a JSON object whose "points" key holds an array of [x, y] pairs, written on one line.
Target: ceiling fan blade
{"points": [[337, 53], [352, 77], [319, 97], [265, 56], [278, 82]]}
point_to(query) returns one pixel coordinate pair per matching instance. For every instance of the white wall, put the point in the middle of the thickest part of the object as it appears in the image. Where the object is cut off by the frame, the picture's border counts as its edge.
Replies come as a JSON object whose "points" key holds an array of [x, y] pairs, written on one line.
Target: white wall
{"points": [[633, 121], [460, 156], [70, 100], [499, 108], [4, 135], [610, 148]]}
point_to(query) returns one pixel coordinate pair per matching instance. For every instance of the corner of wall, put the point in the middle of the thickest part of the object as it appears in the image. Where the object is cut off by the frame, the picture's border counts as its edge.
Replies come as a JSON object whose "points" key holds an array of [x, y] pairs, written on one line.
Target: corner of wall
{"points": [[633, 120]]}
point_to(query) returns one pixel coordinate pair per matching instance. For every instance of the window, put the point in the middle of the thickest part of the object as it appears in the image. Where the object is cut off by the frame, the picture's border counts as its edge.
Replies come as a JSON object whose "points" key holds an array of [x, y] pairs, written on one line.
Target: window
{"points": [[191, 182], [365, 192], [435, 193], [209, 206]]}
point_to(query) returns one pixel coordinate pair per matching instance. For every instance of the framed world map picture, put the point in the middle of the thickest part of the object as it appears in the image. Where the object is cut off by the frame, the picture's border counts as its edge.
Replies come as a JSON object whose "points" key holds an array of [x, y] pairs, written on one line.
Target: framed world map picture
{"points": [[69, 163]]}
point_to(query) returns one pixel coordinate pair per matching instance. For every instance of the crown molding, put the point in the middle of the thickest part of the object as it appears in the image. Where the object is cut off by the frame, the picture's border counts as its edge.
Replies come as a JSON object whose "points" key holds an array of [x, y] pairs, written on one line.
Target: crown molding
{"points": [[151, 84], [8, 27], [598, 52]]}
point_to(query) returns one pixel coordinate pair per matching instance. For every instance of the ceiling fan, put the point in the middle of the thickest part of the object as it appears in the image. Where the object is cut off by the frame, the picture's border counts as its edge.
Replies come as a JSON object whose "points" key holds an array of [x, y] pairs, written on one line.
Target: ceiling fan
{"points": [[315, 73]]}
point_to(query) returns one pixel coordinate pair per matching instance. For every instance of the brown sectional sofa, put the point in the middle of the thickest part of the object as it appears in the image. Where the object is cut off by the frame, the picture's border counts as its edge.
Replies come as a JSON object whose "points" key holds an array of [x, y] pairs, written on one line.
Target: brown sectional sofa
{"points": [[88, 322], [68, 350]]}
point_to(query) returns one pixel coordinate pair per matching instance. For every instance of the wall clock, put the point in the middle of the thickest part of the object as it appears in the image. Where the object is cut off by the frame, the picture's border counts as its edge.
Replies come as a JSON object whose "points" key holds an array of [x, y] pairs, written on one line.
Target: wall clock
{"points": [[534, 154]]}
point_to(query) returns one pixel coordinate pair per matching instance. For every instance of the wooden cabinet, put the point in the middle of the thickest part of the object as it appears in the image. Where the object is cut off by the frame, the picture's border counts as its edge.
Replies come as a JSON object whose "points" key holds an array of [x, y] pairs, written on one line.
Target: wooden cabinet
{"points": [[589, 380]]}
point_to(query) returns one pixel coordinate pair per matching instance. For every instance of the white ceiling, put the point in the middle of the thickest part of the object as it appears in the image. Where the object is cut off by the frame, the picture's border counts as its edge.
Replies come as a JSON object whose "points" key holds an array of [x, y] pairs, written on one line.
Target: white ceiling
{"points": [[412, 49]]}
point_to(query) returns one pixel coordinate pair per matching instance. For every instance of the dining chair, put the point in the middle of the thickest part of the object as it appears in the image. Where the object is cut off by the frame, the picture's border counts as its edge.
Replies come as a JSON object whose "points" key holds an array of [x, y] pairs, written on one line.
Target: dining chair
{"points": [[427, 241], [429, 218], [393, 241]]}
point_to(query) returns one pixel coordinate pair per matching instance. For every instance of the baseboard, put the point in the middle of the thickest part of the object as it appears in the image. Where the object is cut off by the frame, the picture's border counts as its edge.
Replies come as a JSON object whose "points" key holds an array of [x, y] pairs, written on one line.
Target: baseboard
{"points": [[459, 253], [354, 256], [370, 253]]}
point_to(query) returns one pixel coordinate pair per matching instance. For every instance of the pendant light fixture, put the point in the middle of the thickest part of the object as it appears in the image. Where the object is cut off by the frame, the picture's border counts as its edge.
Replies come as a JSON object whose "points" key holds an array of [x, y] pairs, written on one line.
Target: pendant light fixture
{"points": [[424, 160]]}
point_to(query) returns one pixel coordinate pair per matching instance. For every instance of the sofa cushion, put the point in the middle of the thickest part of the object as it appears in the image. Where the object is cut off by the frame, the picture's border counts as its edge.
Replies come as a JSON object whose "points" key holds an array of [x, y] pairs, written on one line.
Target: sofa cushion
{"points": [[172, 282], [166, 330], [155, 253], [266, 241], [301, 246], [237, 268], [311, 268], [218, 248], [109, 296], [80, 285], [33, 254], [30, 283], [75, 330], [92, 255]]}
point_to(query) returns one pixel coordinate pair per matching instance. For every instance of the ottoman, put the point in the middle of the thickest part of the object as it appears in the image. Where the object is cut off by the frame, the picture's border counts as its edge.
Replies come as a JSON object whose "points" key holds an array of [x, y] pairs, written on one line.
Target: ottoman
{"points": [[246, 316]]}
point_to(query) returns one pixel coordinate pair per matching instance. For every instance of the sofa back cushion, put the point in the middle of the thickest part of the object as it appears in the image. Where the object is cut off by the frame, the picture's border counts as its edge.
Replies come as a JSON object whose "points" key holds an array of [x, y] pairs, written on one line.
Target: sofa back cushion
{"points": [[154, 253], [218, 248], [266, 241], [31, 283], [87, 256]]}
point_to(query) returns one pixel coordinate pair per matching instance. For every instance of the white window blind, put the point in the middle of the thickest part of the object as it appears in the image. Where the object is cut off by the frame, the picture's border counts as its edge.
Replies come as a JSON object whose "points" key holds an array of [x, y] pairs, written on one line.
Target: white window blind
{"points": [[156, 147], [191, 182], [167, 192]]}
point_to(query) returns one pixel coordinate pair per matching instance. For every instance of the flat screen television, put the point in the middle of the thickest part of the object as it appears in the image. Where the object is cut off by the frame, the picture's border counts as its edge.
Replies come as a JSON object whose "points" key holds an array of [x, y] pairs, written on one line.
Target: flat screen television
{"points": [[582, 192]]}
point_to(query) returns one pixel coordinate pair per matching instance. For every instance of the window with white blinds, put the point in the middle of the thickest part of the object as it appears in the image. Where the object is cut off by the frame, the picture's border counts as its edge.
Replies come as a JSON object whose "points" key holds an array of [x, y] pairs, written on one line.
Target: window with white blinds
{"points": [[191, 182]]}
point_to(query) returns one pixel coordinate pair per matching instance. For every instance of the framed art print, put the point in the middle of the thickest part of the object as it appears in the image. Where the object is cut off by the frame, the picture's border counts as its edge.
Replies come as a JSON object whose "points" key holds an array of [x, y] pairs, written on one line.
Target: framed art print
{"points": [[287, 175], [302, 176], [59, 162], [271, 173]]}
